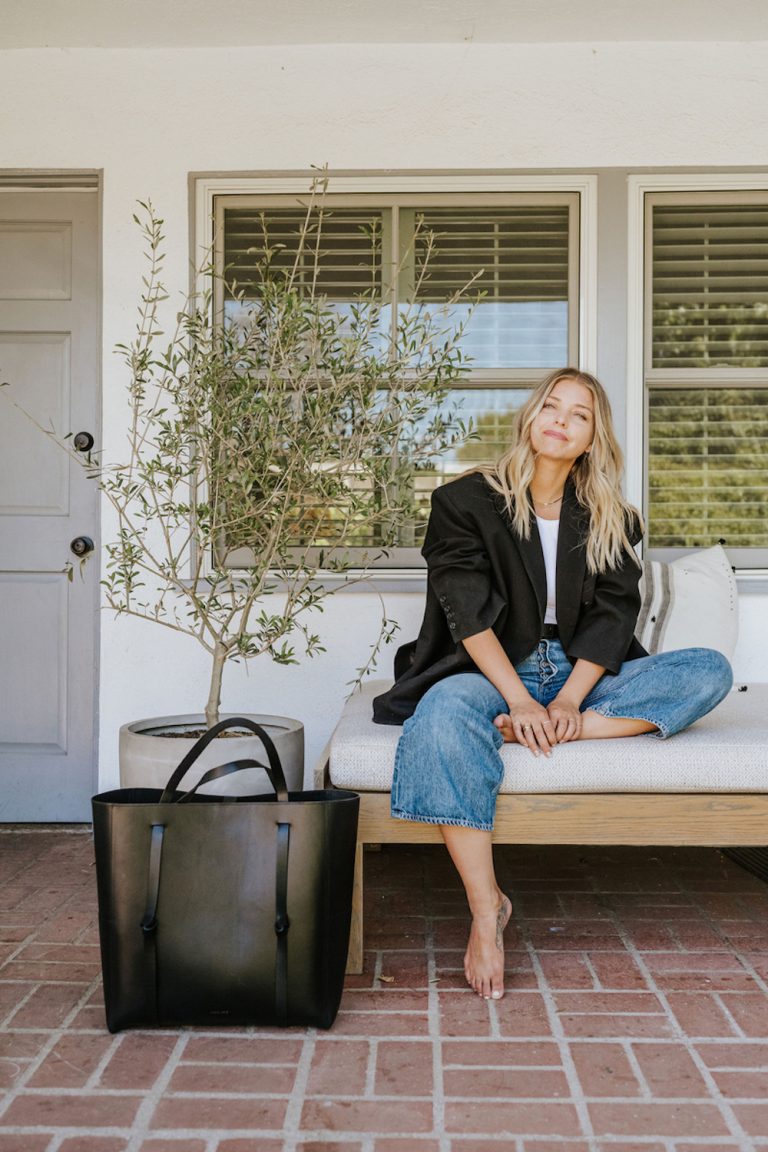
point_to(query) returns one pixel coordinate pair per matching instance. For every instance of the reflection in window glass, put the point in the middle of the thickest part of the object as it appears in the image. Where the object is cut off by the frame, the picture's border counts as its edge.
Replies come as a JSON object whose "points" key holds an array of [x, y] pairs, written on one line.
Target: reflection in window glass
{"points": [[520, 259], [492, 411]]}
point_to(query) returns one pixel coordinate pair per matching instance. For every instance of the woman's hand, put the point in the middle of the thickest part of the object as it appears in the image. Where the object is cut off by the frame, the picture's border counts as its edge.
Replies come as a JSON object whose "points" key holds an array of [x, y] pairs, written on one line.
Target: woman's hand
{"points": [[566, 719], [528, 723]]}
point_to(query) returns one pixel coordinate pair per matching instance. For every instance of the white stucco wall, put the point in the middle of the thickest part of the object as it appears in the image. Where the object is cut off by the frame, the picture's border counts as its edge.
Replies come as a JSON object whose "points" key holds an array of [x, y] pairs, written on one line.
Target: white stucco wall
{"points": [[148, 118]]}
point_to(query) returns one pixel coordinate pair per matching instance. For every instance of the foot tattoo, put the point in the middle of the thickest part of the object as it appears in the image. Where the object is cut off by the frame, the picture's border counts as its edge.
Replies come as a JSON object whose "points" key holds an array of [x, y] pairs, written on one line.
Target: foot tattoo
{"points": [[484, 958]]}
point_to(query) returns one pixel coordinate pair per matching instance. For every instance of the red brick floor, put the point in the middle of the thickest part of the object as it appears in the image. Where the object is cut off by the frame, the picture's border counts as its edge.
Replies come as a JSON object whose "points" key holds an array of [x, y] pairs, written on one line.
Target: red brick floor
{"points": [[636, 1019]]}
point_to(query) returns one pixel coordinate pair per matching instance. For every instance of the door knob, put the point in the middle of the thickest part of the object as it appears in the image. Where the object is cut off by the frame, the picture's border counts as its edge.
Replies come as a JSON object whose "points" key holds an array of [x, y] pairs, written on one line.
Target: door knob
{"points": [[81, 545], [83, 442]]}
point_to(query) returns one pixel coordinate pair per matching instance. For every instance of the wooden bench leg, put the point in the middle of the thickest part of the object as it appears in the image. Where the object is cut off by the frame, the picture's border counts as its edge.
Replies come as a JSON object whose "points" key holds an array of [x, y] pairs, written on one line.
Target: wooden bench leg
{"points": [[355, 954]]}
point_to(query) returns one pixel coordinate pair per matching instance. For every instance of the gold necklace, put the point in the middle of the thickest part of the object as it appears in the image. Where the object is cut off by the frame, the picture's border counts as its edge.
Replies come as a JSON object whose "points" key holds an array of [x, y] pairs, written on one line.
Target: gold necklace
{"points": [[546, 503]]}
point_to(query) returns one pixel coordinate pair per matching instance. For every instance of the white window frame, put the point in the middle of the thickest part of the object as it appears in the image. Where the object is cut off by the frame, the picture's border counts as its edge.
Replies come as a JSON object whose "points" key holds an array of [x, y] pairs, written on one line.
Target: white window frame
{"points": [[207, 188], [637, 431]]}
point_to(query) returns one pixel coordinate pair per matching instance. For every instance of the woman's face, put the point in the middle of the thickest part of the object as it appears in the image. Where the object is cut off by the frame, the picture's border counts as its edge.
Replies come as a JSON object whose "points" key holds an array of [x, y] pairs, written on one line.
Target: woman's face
{"points": [[564, 427]]}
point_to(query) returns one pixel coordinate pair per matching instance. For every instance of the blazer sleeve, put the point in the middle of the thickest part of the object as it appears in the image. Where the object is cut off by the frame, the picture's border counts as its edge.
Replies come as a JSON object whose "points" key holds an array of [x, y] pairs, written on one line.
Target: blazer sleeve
{"points": [[606, 626], [458, 568]]}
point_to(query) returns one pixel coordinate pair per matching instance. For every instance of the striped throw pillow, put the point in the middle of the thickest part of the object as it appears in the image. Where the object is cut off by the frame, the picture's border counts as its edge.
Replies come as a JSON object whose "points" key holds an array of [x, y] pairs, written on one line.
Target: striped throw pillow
{"points": [[689, 603]]}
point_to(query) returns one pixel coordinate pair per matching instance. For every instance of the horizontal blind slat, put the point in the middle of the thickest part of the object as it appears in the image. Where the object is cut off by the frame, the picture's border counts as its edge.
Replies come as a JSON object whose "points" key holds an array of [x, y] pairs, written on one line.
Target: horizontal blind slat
{"points": [[708, 460], [709, 285], [342, 249], [522, 254]]}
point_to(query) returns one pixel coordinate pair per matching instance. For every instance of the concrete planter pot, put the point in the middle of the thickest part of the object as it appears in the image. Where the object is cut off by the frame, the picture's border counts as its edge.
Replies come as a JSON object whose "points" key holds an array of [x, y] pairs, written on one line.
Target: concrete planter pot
{"points": [[148, 758]]}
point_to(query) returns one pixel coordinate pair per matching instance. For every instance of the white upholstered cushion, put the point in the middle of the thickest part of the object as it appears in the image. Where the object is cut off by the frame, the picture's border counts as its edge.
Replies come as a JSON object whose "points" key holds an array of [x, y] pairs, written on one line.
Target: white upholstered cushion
{"points": [[689, 603], [726, 751]]}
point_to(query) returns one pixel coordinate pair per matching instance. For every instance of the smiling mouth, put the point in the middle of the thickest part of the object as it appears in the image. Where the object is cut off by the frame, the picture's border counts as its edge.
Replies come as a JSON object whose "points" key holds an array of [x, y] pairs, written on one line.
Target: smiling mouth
{"points": [[556, 435]]}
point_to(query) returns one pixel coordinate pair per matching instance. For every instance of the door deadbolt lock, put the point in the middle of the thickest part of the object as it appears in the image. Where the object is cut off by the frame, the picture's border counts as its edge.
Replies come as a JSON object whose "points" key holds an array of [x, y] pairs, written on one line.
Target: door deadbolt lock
{"points": [[83, 442], [81, 545]]}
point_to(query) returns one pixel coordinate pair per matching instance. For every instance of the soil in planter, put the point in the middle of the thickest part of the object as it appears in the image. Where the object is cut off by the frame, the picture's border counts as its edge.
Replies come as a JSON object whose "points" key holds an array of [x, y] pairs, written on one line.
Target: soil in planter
{"points": [[196, 733]]}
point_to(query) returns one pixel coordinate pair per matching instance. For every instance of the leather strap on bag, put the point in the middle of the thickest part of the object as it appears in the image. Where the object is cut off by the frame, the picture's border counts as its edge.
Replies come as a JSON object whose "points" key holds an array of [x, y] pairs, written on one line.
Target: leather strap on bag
{"points": [[218, 773], [149, 920], [282, 924], [275, 770]]}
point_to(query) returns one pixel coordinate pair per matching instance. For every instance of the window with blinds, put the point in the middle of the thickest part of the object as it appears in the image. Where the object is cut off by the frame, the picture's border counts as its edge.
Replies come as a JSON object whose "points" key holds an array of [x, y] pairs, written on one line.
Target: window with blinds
{"points": [[521, 258], [345, 264], [521, 315], [710, 285], [706, 359]]}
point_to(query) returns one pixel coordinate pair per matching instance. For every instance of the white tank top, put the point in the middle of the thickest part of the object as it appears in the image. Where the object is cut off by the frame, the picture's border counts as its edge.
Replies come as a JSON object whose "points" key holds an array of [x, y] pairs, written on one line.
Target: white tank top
{"points": [[548, 530]]}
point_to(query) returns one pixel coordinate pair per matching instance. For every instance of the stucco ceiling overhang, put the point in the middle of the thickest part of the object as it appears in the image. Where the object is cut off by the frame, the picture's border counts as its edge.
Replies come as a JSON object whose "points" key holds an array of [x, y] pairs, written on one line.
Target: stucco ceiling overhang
{"points": [[241, 23]]}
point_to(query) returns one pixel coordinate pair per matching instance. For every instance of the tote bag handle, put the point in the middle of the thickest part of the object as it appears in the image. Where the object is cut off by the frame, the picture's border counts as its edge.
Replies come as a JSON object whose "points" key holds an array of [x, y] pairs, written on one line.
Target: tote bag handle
{"points": [[274, 771]]}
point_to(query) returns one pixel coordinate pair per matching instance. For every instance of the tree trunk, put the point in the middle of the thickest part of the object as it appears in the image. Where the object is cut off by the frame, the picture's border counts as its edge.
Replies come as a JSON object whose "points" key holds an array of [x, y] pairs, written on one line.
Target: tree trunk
{"points": [[214, 696]]}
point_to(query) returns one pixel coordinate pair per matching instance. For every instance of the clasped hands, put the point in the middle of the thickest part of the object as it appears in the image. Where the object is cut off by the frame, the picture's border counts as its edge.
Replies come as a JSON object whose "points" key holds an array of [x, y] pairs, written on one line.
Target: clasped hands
{"points": [[540, 728]]}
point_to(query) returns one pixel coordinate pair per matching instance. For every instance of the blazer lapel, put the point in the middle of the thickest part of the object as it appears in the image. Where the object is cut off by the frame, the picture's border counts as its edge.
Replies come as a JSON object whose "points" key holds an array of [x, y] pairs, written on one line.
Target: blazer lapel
{"points": [[530, 554], [571, 560]]}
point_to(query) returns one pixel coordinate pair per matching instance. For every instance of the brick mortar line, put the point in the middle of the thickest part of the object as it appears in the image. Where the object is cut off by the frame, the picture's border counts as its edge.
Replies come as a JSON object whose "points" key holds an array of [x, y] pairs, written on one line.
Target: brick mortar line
{"points": [[717, 1041], [634, 1064], [435, 1034], [37, 980], [6, 1020], [213, 1136], [457, 1066], [206, 1135], [139, 1129], [740, 1033], [558, 1035], [494, 1030], [55, 1034], [725, 1109], [242, 1063], [384, 1011], [295, 1104], [369, 1088], [750, 968], [587, 961], [400, 1097], [92, 1083]]}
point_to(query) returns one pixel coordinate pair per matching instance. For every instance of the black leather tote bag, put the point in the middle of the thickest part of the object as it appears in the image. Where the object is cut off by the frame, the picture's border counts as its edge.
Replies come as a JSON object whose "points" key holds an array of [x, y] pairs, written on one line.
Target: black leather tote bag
{"points": [[222, 910]]}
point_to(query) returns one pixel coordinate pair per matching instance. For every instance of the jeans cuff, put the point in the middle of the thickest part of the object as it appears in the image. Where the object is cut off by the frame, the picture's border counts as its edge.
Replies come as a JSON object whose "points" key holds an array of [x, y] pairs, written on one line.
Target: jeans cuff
{"points": [[605, 710], [453, 821]]}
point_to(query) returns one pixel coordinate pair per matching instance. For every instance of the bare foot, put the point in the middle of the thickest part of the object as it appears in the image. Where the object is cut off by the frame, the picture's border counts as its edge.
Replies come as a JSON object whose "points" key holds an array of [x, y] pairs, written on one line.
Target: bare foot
{"points": [[484, 958], [504, 725]]}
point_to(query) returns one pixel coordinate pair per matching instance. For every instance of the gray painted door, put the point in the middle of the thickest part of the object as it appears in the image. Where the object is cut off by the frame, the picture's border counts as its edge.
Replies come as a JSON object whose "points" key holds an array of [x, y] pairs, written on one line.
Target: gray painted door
{"points": [[49, 346]]}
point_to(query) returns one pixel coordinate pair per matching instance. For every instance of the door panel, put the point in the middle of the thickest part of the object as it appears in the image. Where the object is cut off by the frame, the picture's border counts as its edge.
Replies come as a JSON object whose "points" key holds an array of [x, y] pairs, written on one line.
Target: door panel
{"points": [[34, 692], [35, 260], [34, 472], [48, 622]]}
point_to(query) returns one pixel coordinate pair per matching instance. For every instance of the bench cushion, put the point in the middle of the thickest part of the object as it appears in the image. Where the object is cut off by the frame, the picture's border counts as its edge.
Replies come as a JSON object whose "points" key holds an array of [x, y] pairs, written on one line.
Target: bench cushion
{"points": [[726, 751]]}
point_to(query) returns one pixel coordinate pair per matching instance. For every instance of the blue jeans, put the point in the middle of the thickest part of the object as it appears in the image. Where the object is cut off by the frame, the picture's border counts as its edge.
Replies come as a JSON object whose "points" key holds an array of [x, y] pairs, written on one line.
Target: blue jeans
{"points": [[447, 766]]}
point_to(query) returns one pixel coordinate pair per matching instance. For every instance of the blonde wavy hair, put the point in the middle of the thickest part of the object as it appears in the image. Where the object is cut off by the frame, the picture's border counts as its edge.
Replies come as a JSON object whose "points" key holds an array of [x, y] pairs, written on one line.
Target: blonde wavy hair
{"points": [[596, 475]]}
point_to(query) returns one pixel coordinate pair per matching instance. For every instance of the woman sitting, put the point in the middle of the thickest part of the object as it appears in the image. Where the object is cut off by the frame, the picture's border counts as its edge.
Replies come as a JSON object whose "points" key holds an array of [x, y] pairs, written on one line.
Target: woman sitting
{"points": [[528, 638]]}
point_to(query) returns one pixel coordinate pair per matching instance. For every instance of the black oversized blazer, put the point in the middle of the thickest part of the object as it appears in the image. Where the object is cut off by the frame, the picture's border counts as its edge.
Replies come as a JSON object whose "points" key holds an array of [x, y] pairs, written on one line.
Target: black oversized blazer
{"points": [[481, 574]]}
